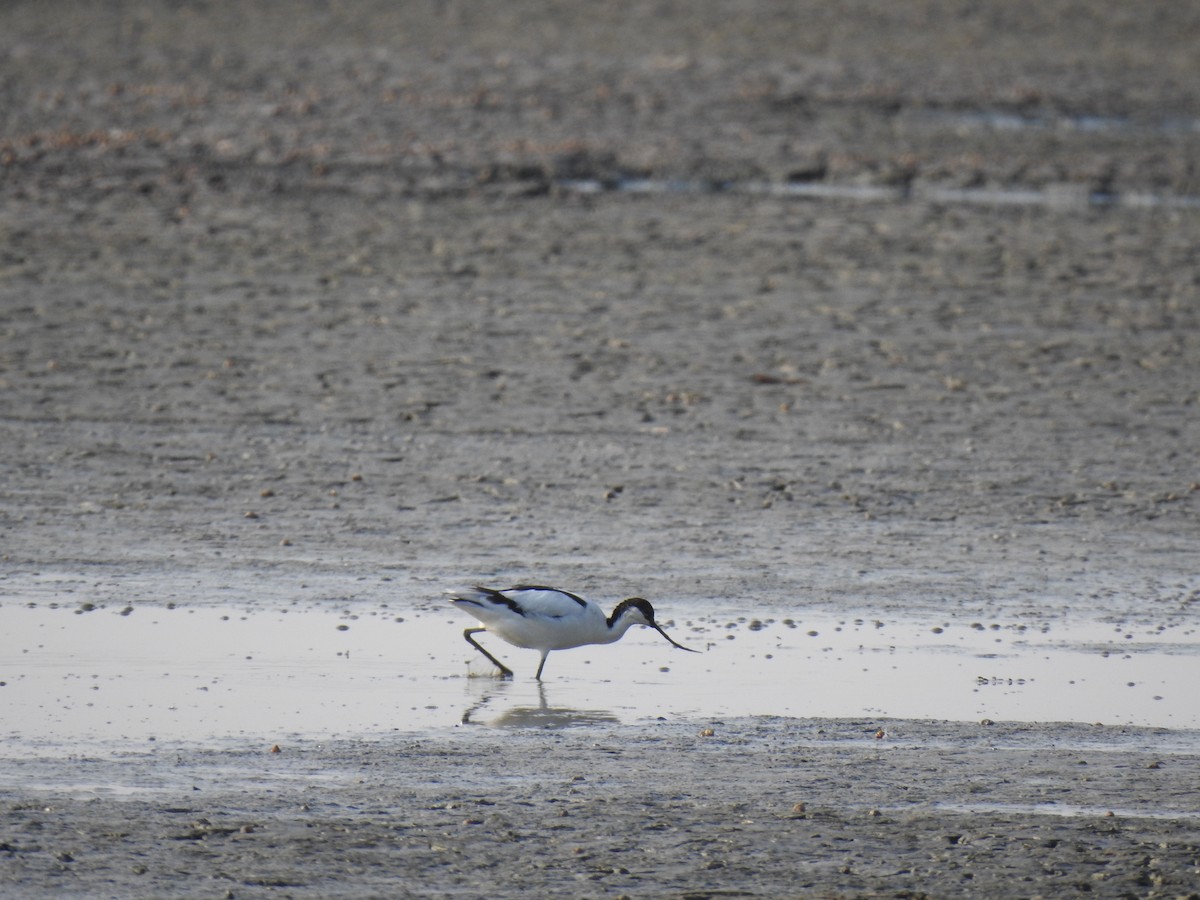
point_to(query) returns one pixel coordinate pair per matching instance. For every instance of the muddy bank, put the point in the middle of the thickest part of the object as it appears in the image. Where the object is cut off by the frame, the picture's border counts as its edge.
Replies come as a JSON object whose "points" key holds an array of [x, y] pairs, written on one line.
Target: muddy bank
{"points": [[286, 294], [435, 97], [737, 808], [691, 398]]}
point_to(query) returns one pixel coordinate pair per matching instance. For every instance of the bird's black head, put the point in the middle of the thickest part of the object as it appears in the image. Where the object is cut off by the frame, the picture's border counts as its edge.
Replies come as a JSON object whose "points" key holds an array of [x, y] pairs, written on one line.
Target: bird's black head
{"points": [[642, 613], [632, 607]]}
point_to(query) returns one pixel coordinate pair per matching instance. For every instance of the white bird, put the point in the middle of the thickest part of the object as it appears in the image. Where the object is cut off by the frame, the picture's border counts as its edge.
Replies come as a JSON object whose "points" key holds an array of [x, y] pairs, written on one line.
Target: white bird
{"points": [[545, 619]]}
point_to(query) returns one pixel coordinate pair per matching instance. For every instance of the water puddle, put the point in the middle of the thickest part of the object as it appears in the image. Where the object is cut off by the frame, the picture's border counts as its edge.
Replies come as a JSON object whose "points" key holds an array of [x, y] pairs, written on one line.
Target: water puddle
{"points": [[1068, 811], [1061, 197], [1001, 120], [70, 677]]}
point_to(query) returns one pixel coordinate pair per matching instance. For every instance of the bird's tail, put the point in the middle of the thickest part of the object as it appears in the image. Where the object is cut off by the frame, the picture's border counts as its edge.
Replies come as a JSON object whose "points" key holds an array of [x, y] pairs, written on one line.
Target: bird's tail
{"points": [[472, 596]]}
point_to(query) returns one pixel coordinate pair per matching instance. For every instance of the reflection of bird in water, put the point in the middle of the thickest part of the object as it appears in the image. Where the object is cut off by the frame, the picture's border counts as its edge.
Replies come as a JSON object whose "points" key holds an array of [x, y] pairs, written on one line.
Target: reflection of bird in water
{"points": [[545, 619], [541, 716]]}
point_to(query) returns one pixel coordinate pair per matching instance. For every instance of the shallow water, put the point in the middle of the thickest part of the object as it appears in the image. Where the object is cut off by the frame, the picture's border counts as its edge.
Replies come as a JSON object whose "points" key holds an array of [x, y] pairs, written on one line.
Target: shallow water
{"points": [[208, 674], [1062, 198]]}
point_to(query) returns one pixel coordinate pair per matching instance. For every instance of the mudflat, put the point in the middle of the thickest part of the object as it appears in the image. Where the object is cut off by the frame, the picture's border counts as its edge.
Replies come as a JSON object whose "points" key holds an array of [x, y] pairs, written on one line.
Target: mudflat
{"points": [[764, 306]]}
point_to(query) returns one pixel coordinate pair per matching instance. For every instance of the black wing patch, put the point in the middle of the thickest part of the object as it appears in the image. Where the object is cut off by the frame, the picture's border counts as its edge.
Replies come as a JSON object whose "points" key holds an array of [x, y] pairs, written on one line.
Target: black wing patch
{"points": [[501, 599]]}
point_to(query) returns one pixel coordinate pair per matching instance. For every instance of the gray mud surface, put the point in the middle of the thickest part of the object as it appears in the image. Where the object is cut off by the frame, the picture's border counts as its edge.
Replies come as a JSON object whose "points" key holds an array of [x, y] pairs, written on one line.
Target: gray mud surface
{"points": [[371, 291], [745, 808]]}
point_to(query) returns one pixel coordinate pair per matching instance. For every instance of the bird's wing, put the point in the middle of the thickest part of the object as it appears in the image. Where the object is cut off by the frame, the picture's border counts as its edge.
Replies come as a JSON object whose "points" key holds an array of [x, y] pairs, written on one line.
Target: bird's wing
{"points": [[525, 601], [535, 600]]}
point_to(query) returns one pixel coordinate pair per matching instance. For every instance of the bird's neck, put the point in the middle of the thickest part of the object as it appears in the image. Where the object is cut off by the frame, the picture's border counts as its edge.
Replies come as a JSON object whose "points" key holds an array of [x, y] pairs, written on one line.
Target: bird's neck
{"points": [[617, 628]]}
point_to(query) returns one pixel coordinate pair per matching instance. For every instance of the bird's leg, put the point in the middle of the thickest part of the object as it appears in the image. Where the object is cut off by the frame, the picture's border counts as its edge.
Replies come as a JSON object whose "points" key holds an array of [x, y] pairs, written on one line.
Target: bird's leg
{"points": [[538, 676], [505, 671]]}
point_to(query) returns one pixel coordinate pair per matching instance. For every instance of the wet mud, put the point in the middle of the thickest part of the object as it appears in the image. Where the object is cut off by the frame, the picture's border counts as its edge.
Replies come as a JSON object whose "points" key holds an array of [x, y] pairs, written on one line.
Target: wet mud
{"points": [[760, 807]]}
